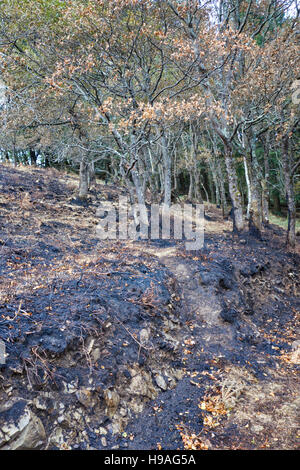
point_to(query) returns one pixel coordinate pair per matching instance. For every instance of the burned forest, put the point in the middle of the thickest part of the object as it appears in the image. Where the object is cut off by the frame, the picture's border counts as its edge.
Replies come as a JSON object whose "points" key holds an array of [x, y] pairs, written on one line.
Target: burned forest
{"points": [[149, 227]]}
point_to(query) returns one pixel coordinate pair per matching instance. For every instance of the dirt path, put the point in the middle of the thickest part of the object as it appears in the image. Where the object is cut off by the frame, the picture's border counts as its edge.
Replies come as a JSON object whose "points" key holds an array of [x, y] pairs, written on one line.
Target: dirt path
{"points": [[234, 394]]}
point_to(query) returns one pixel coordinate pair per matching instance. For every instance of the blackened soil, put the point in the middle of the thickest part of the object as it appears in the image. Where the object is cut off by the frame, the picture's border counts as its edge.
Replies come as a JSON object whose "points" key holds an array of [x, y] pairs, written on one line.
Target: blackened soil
{"points": [[156, 346]]}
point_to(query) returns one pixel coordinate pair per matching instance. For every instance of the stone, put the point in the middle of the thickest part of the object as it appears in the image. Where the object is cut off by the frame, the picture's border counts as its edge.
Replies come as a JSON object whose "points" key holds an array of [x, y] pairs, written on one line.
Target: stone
{"points": [[57, 437], [141, 384], [295, 345], [102, 431], [144, 335], [16, 369], [257, 428], [70, 387], [160, 381], [77, 415], [86, 397], [40, 403], [89, 345], [112, 400], [123, 412], [96, 354], [20, 429], [295, 356]]}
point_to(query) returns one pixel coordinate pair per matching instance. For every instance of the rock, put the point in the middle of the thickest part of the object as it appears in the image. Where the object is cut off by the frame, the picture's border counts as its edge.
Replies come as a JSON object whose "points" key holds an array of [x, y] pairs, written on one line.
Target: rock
{"points": [[296, 345], [102, 431], [257, 428], [144, 335], [141, 384], [8, 390], [40, 403], [103, 441], [20, 429], [112, 400], [278, 290], [62, 420], [96, 354], [16, 368], [86, 397], [295, 356], [90, 344], [123, 412], [77, 415], [160, 381], [70, 387], [57, 437], [117, 427]]}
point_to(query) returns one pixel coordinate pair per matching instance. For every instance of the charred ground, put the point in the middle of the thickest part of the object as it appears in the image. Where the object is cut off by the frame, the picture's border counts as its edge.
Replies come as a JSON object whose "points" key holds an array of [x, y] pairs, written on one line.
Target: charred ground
{"points": [[140, 345]]}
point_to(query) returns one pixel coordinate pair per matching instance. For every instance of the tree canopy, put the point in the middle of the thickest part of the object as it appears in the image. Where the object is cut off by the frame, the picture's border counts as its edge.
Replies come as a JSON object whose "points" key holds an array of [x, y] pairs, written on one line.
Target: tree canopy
{"points": [[170, 97]]}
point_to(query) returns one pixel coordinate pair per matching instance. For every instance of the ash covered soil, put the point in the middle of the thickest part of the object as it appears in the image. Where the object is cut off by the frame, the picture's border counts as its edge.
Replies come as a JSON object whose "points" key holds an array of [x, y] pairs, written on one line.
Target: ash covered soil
{"points": [[140, 345]]}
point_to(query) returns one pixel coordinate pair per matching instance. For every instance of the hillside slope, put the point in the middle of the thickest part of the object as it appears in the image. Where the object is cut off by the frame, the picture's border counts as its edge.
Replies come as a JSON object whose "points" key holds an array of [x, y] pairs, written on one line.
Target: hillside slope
{"points": [[140, 345]]}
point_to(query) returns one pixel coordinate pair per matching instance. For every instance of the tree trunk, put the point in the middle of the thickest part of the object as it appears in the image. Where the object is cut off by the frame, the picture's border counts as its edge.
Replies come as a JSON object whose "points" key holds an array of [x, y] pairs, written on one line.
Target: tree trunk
{"points": [[83, 179], [198, 195], [191, 186], [138, 187], [15, 157], [222, 188], [200, 183], [91, 175], [265, 184], [212, 166], [175, 171], [210, 185], [255, 208], [167, 171], [238, 220], [33, 157], [249, 194], [265, 201], [46, 160], [290, 196]]}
